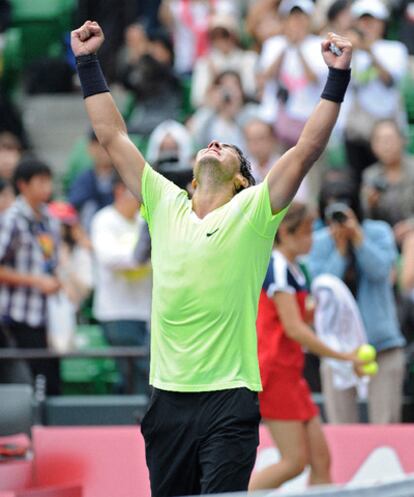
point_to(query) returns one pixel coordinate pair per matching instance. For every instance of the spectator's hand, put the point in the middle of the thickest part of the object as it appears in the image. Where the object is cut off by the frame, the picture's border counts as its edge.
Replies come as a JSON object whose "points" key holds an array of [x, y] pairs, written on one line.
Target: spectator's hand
{"points": [[365, 44], [340, 235], [87, 39], [342, 61], [372, 195], [356, 362], [353, 228], [402, 229], [136, 42], [47, 284], [213, 97]]}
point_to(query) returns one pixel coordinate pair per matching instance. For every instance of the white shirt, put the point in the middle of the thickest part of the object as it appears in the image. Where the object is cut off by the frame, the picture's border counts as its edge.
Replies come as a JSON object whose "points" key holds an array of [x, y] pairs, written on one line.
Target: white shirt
{"points": [[122, 291], [184, 33], [259, 172], [303, 96], [393, 56], [244, 62]]}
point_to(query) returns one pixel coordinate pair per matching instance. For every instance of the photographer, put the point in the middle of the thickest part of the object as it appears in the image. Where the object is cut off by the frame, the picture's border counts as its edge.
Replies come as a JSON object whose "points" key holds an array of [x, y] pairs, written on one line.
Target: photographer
{"points": [[293, 71], [225, 53], [170, 150], [363, 254], [388, 185], [225, 113], [146, 70], [378, 68]]}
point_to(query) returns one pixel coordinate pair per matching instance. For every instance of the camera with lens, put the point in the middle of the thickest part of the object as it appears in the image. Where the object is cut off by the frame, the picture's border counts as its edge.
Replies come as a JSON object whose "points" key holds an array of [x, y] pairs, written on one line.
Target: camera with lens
{"points": [[168, 164], [226, 96], [380, 184], [337, 212], [282, 94]]}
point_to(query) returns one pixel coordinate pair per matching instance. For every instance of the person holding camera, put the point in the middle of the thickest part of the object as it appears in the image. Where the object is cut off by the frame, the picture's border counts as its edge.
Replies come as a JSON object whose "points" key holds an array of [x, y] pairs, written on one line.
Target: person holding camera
{"points": [[225, 53], [363, 254], [378, 68], [388, 185], [225, 113], [293, 71]]}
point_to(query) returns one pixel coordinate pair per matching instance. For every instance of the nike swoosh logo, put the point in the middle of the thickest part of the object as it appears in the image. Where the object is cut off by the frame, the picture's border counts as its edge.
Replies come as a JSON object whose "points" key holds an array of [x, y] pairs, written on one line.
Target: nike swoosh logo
{"points": [[212, 232]]}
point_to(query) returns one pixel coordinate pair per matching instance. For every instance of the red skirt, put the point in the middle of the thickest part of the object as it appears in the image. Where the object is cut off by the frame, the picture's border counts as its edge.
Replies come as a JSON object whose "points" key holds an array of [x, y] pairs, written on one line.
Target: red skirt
{"points": [[286, 396]]}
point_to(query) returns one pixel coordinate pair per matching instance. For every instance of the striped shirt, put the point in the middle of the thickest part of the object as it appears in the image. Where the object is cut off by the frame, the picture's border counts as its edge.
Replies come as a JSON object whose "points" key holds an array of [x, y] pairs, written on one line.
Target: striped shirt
{"points": [[28, 245]]}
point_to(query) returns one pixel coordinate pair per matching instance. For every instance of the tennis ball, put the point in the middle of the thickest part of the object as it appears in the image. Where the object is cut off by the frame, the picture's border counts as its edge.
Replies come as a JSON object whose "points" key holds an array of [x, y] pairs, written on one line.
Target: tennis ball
{"points": [[367, 353], [370, 369]]}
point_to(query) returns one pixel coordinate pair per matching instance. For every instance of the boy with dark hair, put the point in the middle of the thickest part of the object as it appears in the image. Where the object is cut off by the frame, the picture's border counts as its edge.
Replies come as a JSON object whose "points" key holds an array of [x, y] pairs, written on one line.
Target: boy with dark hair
{"points": [[29, 241]]}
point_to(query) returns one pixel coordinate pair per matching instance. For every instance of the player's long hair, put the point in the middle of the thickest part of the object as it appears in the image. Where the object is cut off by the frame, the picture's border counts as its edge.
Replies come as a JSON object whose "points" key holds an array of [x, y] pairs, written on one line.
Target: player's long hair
{"points": [[245, 169]]}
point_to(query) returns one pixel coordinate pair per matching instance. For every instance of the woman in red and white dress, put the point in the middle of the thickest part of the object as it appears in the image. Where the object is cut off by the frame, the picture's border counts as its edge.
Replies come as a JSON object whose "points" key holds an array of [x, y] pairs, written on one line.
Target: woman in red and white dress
{"points": [[286, 404]]}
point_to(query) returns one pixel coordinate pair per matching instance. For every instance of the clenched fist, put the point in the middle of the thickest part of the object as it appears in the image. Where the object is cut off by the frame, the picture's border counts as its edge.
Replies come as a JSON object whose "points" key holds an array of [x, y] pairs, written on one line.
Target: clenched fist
{"points": [[342, 61], [87, 39]]}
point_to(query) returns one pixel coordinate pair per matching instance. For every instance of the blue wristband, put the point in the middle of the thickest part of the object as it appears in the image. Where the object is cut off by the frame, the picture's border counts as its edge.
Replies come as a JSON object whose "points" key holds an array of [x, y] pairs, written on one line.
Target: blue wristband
{"points": [[90, 74], [336, 85]]}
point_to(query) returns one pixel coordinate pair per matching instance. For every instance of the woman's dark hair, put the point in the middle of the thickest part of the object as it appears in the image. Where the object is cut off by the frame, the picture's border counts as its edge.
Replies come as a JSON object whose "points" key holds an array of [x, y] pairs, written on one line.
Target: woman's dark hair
{"points": [[27, 169], [336, 8], [294, 217], [220, 76], [340, 188], [162, 37], [245, 168]]}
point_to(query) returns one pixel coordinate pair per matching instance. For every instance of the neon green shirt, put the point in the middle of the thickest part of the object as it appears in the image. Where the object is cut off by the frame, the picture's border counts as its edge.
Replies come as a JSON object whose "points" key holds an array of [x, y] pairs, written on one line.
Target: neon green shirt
{"points": [[207, 276]]}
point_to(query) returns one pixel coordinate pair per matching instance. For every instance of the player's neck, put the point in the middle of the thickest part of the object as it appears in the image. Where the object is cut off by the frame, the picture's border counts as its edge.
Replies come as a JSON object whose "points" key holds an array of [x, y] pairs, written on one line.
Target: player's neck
{"points": [[206, 200]]}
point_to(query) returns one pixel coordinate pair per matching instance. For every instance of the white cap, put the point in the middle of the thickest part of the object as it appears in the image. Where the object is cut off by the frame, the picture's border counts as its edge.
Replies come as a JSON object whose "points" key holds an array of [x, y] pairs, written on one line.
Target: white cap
{"points": [[306, 6], [374, 8]]}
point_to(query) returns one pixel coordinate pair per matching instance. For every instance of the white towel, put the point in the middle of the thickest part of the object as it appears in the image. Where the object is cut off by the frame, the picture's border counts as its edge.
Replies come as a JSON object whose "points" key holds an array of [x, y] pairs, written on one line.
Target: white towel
{"points": [[339, 325]]}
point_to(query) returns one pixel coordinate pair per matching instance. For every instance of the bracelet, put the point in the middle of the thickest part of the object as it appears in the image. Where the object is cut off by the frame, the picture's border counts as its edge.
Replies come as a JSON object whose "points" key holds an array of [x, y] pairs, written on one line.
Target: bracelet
{"points": [[336, 84], [90, 74]]}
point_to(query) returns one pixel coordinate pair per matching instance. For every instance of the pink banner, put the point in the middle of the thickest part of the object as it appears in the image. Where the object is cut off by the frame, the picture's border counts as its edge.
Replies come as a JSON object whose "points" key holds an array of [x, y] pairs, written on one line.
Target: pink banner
{"points": [[109, 461]]}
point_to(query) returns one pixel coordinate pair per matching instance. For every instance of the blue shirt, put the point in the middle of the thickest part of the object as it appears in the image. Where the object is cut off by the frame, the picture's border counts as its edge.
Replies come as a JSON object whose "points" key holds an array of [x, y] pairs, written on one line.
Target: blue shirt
{"points": [[375, 258]]}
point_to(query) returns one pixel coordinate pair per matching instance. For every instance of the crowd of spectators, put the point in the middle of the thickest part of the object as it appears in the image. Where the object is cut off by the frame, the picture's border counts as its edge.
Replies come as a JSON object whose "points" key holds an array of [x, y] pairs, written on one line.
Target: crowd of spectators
{"points": [[244, 72]]}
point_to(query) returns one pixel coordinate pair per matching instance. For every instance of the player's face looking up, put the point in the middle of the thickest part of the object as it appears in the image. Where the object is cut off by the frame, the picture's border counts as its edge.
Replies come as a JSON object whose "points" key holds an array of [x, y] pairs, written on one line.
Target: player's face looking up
{"points": [[221, 163]]}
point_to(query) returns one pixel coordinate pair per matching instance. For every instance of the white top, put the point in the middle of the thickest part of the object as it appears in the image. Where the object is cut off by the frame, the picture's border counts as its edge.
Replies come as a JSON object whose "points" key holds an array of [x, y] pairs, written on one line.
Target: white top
{"points": [[185, 29], [303, 96], [260, 172], [244, 62], [366, 85], [122, 290]]}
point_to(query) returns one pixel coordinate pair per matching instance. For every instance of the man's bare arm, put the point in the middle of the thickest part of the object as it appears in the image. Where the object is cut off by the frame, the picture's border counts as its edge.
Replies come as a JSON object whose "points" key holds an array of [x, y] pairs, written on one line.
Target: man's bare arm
{"points": [[287, 174], [44, 283], [106, 119]]}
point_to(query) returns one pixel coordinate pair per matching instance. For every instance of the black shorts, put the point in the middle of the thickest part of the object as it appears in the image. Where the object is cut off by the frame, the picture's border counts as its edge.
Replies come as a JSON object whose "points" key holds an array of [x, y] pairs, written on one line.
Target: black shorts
{"points": [[201, 443]]}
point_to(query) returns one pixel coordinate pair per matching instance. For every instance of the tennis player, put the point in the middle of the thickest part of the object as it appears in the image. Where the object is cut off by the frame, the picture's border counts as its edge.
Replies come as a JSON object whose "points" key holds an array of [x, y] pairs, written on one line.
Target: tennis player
{"points": [[210, 256]]}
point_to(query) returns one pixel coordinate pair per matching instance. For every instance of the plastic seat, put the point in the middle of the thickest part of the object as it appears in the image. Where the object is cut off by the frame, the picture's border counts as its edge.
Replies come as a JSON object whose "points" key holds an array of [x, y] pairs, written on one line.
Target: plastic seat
{"points": [[16, 409], [410, 140], [41, 10], [407, 92], [43, 24], [13, 58], [88, 375]]}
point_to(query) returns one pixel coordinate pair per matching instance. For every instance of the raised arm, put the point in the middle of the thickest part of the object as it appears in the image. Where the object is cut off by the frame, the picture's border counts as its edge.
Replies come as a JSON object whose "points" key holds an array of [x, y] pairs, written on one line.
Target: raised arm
{"points": [[288, 172], [104, 116]]}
